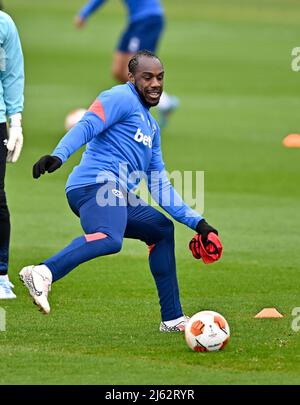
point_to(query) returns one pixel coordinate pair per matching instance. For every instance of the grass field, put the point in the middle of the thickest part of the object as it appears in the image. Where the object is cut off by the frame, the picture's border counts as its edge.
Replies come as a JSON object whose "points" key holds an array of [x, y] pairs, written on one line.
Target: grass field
{"points": [[230, 65]]}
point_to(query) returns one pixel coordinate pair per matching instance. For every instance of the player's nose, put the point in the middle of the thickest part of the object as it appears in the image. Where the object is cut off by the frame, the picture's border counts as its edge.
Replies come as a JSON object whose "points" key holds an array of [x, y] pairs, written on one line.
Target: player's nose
{"points": [[155, 83]]}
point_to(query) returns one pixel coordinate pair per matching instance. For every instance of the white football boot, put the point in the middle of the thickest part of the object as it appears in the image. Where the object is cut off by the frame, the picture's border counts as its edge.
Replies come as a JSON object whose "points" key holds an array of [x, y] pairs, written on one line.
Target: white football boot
{"points": [[175, 325], [6, 288], [38, 280]]}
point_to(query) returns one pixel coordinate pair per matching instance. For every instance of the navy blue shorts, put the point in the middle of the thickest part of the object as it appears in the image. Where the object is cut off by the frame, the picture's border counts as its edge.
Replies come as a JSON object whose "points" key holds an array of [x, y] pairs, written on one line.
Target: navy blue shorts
{"points": [[143, 34]]}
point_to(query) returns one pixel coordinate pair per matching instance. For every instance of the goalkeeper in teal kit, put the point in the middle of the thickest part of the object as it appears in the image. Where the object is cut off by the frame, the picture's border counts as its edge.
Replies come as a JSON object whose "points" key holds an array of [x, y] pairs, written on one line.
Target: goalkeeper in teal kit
{"points": [[11, 134], [123, 145]]}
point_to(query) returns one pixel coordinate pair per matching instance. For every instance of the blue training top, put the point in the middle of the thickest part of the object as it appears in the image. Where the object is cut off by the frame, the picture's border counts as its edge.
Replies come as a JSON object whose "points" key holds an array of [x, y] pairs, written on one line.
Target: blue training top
{"points": [[123, 145], [11, 69], [137, 9]]}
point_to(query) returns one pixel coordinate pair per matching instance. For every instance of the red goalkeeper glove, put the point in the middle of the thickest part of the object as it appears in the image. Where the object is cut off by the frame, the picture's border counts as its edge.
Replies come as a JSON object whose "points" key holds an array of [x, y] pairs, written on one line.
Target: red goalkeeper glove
{"points": [[206, 244]]}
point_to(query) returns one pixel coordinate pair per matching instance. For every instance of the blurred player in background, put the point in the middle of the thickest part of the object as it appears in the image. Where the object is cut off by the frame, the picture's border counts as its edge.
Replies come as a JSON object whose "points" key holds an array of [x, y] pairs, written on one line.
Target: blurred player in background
{"points": [[122, 137], [144, 29], [11, 139]]}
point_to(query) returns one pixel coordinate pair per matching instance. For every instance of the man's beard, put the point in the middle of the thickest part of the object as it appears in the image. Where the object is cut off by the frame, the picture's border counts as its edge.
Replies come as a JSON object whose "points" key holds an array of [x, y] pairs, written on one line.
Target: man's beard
{"points": [[142, 97]]}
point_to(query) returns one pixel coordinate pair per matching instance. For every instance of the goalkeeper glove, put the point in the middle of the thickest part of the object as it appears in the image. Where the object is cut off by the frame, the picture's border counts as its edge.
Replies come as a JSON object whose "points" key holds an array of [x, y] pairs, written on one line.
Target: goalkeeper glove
{"points": [[46, 164], [15, 138], [206, 244]]}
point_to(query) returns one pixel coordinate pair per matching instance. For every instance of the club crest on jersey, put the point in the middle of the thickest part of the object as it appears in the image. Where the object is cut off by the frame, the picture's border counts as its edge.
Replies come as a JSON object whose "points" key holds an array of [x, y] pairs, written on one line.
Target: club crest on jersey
{"points": [[145, 139], [117, 193]]}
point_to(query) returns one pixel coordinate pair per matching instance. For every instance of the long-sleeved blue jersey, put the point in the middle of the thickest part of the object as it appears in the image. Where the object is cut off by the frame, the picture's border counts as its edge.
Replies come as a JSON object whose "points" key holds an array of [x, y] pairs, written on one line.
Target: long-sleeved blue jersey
{"points": [[11, 69], [123, 145], [137, 9]]}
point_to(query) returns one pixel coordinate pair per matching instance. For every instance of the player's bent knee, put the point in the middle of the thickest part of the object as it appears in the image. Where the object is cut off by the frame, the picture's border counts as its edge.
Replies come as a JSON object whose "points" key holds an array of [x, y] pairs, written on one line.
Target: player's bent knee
{"points": [[168, 227], [115, 245], [103, 242], [111, 247]]}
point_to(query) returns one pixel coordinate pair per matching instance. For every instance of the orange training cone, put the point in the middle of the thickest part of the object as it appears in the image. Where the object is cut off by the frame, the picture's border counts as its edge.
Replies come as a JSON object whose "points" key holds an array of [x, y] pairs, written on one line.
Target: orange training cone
{"points": [[292, 141], [269, 313]]}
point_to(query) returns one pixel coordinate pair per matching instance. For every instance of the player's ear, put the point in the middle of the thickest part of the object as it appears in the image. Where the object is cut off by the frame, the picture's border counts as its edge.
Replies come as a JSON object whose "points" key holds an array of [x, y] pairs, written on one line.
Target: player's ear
{"points": [[131, 78]]}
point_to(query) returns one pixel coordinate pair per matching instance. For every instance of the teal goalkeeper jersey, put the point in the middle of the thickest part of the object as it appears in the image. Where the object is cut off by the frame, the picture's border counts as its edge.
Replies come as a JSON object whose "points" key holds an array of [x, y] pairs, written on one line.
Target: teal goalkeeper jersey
{"points": [[11, 69]]}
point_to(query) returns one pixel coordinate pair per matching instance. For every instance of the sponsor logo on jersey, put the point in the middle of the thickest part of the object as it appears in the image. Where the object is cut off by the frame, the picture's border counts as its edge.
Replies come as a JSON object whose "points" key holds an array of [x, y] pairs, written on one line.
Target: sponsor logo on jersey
{"points": [[141, 138]]}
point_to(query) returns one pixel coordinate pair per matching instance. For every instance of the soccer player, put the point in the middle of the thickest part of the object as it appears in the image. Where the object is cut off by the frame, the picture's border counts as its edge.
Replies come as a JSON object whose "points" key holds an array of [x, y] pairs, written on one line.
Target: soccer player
{"points": [[123, 144], [11, 140], [143, 31]]}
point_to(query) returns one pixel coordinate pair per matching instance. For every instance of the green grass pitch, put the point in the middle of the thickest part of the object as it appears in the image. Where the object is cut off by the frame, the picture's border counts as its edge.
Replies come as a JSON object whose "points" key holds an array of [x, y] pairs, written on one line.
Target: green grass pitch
{"points": [[230, 65]]}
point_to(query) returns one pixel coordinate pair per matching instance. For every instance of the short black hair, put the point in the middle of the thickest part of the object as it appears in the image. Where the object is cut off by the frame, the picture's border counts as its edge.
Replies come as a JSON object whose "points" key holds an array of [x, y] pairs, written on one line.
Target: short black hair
{"points": [[134, 61]]}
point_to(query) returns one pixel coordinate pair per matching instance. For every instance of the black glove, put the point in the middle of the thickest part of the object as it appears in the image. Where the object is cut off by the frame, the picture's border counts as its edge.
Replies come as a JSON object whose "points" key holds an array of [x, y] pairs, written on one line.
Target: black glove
{"points": [[204, 229], [46, 164]]}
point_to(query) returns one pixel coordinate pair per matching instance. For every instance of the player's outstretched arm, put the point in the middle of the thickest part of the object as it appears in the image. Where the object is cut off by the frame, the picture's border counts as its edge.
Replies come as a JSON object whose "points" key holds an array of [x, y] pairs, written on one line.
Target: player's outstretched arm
{"points": [[206, 244], [164, 193], [86, 11]]}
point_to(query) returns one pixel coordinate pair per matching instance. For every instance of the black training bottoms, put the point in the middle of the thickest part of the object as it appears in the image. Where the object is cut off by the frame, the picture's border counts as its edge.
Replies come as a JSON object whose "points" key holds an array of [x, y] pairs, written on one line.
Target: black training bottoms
{"points": [[4, 213]]}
